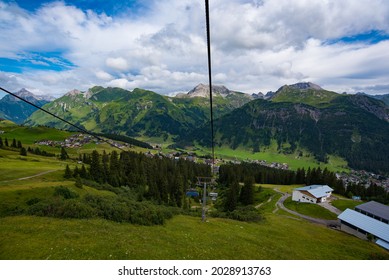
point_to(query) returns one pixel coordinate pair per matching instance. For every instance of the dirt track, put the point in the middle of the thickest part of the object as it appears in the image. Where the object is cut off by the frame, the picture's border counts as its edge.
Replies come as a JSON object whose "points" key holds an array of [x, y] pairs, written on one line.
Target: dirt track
{"points": [[29, 177]]}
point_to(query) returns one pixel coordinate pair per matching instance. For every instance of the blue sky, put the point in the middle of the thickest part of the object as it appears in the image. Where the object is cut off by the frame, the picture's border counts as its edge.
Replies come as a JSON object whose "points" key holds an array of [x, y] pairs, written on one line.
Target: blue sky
{"points": [[51, 47], [109, 7]]}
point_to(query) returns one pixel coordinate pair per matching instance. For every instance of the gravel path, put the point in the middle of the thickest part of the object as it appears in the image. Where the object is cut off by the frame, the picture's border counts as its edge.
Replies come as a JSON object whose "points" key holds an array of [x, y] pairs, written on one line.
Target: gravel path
{"points": [[29, 177]]}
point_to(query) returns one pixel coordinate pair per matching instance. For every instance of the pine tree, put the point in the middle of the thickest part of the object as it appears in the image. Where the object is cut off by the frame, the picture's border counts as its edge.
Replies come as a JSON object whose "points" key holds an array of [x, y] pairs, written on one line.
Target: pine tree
{"points": [[105, 165], [1, 142], [19, 145], [300, 176], [95, 168], [23, 151], [83, 173], [68, 173], [247, 193], [76, 172], [37, 151], [13, 145], [308, 177], [232, 197], [78, 182], [64, 154], [6, 142]]}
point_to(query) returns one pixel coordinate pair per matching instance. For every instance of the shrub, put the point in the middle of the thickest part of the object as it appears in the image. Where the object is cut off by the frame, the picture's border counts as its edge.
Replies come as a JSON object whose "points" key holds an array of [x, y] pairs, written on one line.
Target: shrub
{"points": [[244, 214], [121, 209], [60, 208], [73, 208], [64, 192], [33, 201]]}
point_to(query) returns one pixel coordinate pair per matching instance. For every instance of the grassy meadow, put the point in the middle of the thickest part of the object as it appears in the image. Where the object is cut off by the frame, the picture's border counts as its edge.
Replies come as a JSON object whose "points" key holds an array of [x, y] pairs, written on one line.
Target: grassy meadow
{"points": [[343, 204], [309, 209], [182, 237], [271, 154]]}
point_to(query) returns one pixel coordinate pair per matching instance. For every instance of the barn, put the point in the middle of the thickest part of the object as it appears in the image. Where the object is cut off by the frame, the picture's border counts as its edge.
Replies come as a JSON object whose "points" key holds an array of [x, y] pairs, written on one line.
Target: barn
{"points": [[375, 210], [365, 227], [312, 194]]}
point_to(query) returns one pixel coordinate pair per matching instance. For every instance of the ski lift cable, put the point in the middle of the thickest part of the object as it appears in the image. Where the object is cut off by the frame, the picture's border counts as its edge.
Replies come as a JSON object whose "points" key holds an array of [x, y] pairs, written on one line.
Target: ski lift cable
{"points": [[61, 119], [207, 17]]}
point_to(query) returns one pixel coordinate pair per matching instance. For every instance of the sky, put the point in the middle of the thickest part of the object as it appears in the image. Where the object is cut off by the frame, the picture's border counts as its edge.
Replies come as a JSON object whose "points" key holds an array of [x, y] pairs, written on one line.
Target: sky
{"points": [[52, 47]]}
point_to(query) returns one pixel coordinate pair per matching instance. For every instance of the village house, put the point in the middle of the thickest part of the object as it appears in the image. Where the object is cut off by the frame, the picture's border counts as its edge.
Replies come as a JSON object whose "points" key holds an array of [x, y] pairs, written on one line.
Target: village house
{"points": [[312, 194]]}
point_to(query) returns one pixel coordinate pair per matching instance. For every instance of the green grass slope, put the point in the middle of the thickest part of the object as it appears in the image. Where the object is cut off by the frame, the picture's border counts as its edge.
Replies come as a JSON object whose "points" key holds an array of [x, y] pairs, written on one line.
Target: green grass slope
{"points": [[306, 93], [276, 238]]}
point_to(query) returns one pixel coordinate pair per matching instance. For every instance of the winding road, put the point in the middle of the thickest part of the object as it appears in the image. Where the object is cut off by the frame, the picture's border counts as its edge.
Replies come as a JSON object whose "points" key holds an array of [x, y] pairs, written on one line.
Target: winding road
{"points": [[280, 205]]}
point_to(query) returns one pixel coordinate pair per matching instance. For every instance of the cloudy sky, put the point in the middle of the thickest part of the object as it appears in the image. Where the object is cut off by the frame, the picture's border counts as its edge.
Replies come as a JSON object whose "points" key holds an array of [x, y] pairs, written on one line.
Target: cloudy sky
{"points": [[51, 47]]}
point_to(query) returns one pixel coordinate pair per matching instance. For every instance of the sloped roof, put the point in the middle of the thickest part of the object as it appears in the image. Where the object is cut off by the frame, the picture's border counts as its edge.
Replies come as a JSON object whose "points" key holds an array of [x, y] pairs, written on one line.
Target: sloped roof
{"points": [[375, 208], [316, 190], [373, 226], [383, 244]]}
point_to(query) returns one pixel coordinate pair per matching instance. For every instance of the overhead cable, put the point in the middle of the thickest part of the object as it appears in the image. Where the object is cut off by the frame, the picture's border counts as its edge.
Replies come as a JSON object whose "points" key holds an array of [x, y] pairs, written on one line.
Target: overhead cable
{"points": [[61, 119]]}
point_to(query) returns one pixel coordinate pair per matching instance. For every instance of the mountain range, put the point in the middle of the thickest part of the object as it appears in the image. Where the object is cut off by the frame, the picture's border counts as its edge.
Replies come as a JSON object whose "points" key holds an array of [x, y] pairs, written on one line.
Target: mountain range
{"points": [[14, 109], [302, 116], [305, 116], [138, 112]]}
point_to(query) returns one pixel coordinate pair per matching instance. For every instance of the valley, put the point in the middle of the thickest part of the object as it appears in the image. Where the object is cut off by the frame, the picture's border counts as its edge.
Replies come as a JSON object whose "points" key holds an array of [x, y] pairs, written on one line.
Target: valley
{"points": [[76, 197], [277, 235]]}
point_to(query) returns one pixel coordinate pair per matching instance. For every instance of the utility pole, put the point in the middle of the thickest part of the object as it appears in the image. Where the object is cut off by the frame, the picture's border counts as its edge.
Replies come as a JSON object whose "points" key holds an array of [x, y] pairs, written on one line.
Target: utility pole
{"points": [[204, 202], [204, 182]]}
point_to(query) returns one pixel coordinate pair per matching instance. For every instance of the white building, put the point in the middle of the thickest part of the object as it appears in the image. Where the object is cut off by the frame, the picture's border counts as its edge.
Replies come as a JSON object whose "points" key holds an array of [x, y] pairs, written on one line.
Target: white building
{"points": [[312, 194]]}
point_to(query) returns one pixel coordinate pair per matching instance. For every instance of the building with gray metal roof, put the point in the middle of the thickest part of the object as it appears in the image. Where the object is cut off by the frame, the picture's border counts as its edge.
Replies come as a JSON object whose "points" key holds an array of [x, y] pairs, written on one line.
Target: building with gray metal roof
{"points": [[375, 210], [365, 227], [312, 194]]}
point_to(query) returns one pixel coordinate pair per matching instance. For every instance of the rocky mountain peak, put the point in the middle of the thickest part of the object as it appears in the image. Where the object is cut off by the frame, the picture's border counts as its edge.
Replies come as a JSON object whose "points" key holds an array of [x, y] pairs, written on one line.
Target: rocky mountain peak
{"points": [[202, 90], [24, 93], [27, 95], [305, 85], [73, 92]]}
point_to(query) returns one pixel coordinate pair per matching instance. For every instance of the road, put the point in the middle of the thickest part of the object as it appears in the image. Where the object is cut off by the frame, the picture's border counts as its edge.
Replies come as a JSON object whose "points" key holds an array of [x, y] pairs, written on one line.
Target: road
{"points": [[280, 205]]}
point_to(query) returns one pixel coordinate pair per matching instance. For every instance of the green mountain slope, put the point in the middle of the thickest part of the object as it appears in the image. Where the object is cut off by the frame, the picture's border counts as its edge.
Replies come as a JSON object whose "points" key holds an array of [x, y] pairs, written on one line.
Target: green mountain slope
{"points": [[18, 111], [306, 93], [135, 113], [384, 98], [351, 126]]}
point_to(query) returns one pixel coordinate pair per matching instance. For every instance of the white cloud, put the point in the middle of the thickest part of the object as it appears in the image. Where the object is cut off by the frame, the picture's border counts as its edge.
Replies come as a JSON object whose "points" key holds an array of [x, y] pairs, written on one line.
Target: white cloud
{"points": [[122, 83], [102, 75], [117, 63], [256, 45]]}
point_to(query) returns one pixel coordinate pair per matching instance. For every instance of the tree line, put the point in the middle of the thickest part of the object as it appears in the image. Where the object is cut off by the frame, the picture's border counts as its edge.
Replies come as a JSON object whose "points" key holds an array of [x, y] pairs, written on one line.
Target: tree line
{"points": [[231, 174], [17, 145], [155, 178], [266, 175]]}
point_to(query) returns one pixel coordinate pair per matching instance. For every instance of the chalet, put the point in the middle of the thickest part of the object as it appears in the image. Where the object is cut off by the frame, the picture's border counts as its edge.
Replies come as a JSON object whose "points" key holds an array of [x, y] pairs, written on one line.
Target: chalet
{"points": [[365, 227], [312, 194]]}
